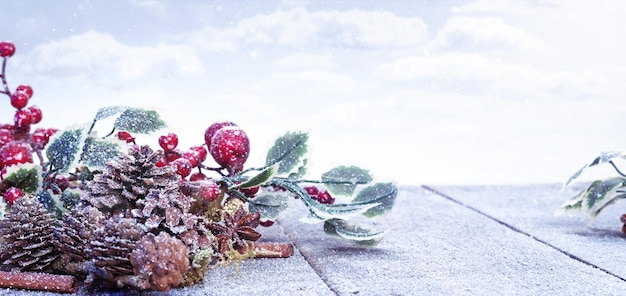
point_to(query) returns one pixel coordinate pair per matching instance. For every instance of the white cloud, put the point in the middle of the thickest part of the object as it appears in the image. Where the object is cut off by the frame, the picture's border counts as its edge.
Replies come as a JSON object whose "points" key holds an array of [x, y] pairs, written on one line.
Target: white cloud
{"points": [[303, 29], [306, 83], [305, 60], [101, 56]]}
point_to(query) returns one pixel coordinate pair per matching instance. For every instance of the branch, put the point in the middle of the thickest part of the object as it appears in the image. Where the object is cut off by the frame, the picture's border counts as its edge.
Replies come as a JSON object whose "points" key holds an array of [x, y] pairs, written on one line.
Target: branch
{"points": [[39, 281]]}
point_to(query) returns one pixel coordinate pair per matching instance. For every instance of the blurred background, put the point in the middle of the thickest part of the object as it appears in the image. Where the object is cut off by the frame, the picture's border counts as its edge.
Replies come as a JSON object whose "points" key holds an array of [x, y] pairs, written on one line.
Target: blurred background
{"points": [[420, 92]]}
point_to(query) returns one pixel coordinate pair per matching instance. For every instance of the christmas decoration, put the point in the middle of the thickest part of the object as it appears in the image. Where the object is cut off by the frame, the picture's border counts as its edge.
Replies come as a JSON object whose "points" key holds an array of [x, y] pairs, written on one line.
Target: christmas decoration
{"points": [[116, 213]]}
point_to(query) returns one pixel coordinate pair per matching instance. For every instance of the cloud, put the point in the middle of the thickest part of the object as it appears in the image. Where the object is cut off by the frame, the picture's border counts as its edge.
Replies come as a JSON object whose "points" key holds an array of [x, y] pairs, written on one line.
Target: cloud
{"points": [[101, 56], [303, 29], [305, 60]]}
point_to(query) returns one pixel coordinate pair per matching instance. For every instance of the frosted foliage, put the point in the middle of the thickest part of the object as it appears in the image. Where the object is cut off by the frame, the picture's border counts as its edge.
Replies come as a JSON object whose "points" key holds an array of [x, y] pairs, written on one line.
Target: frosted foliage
{"points": [[98, 152], [139, 121], [106, 112], [62, 151]]}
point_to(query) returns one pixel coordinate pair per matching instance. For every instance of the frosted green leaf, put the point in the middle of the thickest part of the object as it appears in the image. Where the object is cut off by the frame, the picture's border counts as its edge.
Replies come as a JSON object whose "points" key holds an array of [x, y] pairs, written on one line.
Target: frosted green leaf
{"points": [[65, 147], [51, 203], [300, 172], [26, 177], [573, 205], [351, 175], [141, 121], [382, 193], [96, 152], [287, 150], [259, 179], [600, 194], [269, 206], [69, 198], [106, 112], [355, 233], [604, 157]]}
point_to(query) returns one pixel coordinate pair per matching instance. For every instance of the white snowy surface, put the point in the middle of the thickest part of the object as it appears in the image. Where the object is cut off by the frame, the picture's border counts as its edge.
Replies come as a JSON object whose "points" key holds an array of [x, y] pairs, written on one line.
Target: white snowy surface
{"points": [[436, 92]]}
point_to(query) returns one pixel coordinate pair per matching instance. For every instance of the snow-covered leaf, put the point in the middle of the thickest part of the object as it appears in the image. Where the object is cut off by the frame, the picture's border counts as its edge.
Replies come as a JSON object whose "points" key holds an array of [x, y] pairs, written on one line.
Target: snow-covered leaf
{"points": [[137, 120], [65, 147], [259, 179], [355, 233], [382, 193], [269, 206], [604, 157], [106, 112], [600, 194], [351, 175], [574, 205], [50, 202], [300, 172], [288, 151], [96, 152], [26, 176]]}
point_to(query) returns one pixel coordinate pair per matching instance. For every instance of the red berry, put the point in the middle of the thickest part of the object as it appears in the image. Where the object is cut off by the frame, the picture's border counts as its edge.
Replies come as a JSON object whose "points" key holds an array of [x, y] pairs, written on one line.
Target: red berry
{"points": [[125, 136], [172, 155], [183, 167], [7, 49], [15, 152], [12, 194], [161, 162], [192, 157], [51, 131], [210, 131], [5, 136], [197, 176], [266, 223], [168, 142], [61, 183], [26, 89], [19, 99], [209, 190], [230, 147], [22, 118], [35, 114], [202, 153], [40, 139], [250, 192], [312, 191], [325, 197]]}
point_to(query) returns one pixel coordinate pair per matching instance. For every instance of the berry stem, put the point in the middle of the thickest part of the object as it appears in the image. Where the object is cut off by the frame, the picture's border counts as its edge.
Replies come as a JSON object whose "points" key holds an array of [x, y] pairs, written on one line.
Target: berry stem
{"points": [[218, 170], [616, 169], [4, 78], [325, 182]]}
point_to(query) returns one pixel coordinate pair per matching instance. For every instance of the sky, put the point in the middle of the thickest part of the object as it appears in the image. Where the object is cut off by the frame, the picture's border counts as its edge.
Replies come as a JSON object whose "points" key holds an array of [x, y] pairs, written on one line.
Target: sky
{"points": [[418, 92]]}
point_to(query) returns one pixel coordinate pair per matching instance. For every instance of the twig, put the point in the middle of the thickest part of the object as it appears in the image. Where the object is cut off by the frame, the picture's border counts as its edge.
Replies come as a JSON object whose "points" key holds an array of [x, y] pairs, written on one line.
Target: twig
{"points": [[39, 281], [272, 250]]}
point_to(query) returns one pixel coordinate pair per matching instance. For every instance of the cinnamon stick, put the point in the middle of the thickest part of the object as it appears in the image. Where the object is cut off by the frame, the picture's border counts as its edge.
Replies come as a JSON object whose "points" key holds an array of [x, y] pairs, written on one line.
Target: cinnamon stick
{"points": [[38, 281], [272, 250]]}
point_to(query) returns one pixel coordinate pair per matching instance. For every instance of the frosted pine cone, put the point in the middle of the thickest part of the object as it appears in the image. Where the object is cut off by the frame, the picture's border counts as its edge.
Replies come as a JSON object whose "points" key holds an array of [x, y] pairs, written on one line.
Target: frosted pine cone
{"points": [[28, 236], [159, 262], [129, 178]]}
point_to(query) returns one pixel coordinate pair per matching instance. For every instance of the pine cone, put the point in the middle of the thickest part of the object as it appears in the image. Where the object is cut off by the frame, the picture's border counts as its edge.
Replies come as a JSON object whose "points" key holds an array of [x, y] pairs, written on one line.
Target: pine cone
{"points": [[160, 262], [111, 246], [28, 236], [129, 178], [73, 235]]}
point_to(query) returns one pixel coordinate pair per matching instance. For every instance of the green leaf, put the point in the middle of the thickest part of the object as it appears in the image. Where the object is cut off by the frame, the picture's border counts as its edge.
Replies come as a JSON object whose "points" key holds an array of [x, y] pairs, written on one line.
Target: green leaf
{"points": [[51, 203], [96, 152], [382, 193], [259, 179], [351, 176], [26, 177], [574, 205], [65, 147], [357, 234], [600, 194], [269, 206], [300, 172], [106, 112], [137, 120], [287, 150], [604, 157], [69, 198]]}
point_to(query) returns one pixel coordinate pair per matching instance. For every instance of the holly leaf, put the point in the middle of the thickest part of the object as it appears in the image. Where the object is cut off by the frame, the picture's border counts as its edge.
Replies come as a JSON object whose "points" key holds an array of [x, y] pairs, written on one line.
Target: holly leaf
{"points": [[65, 147], [351, 176], [300, 172], [137, 120], [287, 150], [604, 157], [600, 194], [106, 112], [259, 179], [96, 152], [354, 233], [269, 206], [26, 177], [384, 194]]}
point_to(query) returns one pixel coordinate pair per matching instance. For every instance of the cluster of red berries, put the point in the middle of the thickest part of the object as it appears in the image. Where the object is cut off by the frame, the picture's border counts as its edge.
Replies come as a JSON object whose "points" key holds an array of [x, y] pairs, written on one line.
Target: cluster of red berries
{"points": [[17, 144], [322, 196]]}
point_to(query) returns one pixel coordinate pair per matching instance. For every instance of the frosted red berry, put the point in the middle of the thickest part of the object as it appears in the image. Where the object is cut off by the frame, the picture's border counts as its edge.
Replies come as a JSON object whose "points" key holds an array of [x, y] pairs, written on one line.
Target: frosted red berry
{"points": [[209, 190], [168, 142], [325, 197], [19, 99], [125, 136], [210, 131], [39, 139], [183, 167], [312, 191], [230, 147], [250, 192], [61, 183], [173, 155], [15, 152], [26, 89], [193, 158], [197, 176], [35, 114], [22, 118], [7, 49], [12, 194], [51, 131], [161, 162], [5, 136], [201, 152]]}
